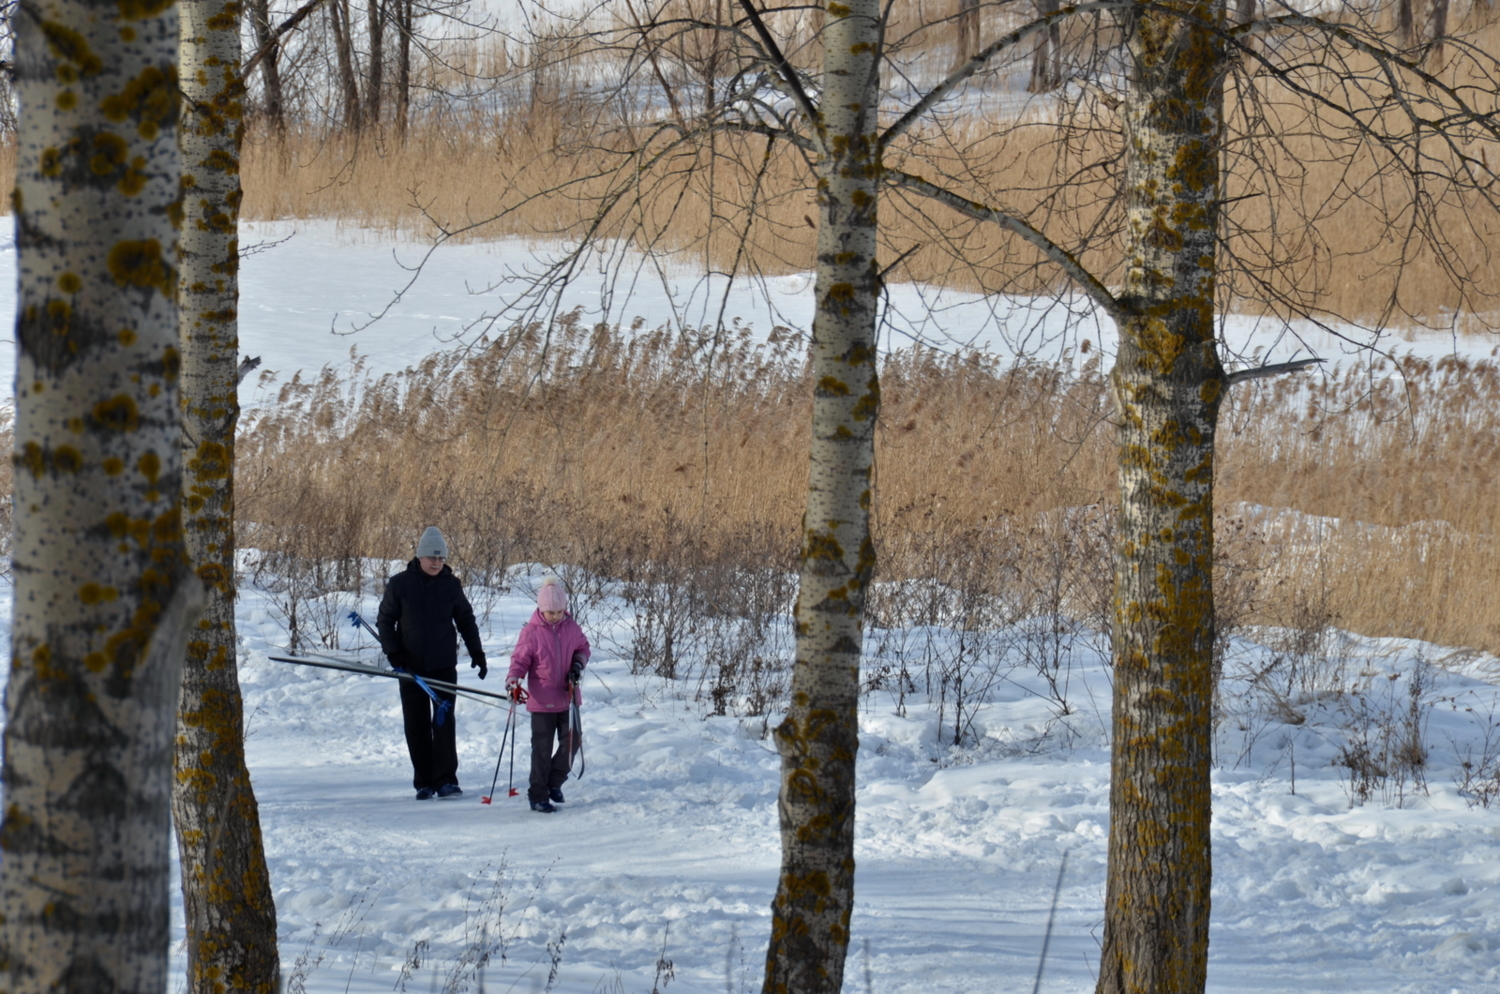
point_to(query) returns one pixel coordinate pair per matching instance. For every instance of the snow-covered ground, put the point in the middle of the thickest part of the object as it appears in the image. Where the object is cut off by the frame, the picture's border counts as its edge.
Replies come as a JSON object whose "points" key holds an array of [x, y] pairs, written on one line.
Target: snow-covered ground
{"points": [[667, 846]]}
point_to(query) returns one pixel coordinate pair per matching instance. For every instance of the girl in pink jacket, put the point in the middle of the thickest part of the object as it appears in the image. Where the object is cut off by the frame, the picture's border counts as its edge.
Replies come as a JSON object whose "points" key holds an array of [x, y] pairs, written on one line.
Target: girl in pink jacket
{"points": [[551, 654]]}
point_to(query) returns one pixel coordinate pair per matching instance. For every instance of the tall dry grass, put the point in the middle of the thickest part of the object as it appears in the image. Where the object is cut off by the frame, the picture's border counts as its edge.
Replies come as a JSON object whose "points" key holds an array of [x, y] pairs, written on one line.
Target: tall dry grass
{"points": [[677, 461]]}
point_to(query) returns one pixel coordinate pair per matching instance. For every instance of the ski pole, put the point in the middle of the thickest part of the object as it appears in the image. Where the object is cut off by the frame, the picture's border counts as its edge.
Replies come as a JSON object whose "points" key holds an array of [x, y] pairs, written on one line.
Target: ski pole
{"points": [[512, 784], [473, 693], [575, 721], [360, 622], [444, 708], [509, 720]]}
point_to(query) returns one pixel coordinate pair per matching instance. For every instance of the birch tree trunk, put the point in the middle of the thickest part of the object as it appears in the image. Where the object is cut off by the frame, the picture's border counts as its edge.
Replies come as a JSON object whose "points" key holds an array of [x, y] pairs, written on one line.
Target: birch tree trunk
{"points": [[103, 595], [226, 891], [819, 738], [1167, 384]]}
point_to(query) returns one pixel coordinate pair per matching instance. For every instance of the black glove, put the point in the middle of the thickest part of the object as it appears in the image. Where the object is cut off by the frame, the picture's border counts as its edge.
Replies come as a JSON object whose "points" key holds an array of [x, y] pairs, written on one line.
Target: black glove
{"points": [[480, 665], [575, 672], [400, 661]]}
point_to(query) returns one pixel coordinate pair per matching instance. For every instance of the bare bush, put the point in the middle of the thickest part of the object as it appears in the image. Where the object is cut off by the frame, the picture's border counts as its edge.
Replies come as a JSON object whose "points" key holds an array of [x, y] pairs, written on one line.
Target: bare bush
{"points": [[1384, 750], [1478, 774]]}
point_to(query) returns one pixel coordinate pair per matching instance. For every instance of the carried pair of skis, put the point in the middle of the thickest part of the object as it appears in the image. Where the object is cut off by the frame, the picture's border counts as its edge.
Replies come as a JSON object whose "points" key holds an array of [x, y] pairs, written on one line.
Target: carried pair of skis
{"points": [[444, 708]]}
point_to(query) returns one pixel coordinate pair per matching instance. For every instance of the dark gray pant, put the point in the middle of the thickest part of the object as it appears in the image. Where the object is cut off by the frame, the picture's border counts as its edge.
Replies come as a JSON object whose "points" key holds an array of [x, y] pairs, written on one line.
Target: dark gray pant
{"points": [[433, 748], [550, 765]]}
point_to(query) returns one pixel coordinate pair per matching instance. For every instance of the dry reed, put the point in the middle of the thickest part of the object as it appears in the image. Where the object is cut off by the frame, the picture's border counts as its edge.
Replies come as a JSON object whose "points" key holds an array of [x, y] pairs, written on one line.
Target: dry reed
{"points": [[676, 458]]}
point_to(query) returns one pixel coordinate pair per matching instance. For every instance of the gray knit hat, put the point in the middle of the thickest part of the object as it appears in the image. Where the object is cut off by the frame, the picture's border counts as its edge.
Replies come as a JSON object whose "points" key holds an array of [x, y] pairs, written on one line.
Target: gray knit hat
{"points": [[431, 544]]}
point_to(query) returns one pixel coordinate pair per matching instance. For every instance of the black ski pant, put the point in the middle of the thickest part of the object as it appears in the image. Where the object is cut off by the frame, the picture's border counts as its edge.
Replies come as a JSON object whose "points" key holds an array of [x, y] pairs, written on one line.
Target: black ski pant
{"points": [[433, 748], [549, 768]]}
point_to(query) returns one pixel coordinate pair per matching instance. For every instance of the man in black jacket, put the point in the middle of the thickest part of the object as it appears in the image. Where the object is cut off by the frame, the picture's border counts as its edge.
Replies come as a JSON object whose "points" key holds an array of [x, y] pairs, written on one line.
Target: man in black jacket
{"points": [[418, 614]]}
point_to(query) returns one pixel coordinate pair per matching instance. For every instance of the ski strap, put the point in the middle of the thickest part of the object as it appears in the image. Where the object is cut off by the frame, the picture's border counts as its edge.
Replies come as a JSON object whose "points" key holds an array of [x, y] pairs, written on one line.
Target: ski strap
{"points": [[444, 708]]}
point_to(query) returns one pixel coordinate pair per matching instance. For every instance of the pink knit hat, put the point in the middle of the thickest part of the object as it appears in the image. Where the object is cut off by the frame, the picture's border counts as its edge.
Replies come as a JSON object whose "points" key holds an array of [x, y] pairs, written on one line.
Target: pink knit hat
{"points": [[552, 596]]}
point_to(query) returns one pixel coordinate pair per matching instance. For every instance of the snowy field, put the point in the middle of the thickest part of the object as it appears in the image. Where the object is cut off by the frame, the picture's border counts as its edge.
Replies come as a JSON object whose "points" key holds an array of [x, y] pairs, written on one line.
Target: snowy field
{"points": [[667, 846], [309, 290]]}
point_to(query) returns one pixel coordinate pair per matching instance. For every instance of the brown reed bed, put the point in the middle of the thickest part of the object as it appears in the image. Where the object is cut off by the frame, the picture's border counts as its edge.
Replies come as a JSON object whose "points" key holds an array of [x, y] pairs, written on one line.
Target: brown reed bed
{"points": [[673, 459]]}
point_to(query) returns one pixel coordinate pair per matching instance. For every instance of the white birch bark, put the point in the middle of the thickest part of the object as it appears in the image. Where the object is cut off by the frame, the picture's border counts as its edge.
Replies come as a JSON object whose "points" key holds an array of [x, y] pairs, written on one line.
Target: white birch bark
{"points": [[226, 890], [103, 596], [819, 738]]}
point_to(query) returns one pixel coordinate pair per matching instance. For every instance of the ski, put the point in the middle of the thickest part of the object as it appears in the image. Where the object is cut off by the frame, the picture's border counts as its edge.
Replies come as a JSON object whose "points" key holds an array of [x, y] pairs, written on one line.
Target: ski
{"points": [[484, 696]]}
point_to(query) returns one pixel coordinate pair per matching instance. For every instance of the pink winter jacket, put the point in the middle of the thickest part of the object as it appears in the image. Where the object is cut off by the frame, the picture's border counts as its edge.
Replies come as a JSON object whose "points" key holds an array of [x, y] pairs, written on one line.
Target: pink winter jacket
{"points": [[543, 655]]}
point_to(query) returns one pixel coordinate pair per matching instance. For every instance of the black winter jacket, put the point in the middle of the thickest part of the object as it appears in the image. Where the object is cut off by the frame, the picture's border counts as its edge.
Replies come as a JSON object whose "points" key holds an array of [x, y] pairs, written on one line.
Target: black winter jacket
{"points": [[417, 616]]}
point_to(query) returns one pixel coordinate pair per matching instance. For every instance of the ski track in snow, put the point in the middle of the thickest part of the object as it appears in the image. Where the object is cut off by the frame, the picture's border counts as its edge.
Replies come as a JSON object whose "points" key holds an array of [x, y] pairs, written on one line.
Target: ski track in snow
{"points": [[668, 844]]}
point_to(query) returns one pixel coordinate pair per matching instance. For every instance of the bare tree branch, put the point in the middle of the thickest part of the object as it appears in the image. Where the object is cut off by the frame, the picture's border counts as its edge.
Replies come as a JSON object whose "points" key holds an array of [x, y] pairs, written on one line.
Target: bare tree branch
{"points": [[972, 65], [1274, 369], [276, 36], [784, 70], [1059, 256]]}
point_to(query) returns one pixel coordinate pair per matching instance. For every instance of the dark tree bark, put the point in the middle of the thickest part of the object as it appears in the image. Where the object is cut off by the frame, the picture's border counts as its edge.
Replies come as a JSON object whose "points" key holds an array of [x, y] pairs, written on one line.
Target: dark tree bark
{"points": [[270, 66], [1437, 32], [404, 25], [968, 30], [375, 78], [1046, 61], [348, 71]]}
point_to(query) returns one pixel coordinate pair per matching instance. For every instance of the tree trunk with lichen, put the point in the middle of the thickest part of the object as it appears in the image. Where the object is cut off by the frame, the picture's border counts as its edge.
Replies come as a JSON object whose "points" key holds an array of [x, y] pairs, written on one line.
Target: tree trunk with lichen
{"points": [[820, 735], [226, 891], [103, 594], [1167, 383]]}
